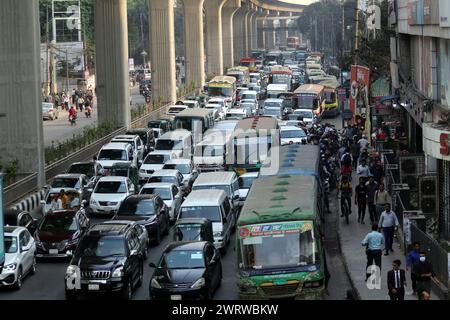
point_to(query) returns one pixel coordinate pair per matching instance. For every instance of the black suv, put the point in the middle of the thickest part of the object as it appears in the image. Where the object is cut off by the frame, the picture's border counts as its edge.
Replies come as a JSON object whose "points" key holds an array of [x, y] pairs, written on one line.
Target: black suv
{"points": [[108, 259]]}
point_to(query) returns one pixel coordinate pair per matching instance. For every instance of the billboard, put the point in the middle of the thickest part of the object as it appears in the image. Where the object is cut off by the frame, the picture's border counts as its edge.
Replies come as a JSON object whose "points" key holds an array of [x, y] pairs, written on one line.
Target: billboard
{"points": [[2, 241], [359, 89]]}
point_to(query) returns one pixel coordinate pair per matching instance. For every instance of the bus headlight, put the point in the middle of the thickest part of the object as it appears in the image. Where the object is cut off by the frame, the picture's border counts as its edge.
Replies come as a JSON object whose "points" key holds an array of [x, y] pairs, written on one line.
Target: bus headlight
{"points": [[313, 284]]}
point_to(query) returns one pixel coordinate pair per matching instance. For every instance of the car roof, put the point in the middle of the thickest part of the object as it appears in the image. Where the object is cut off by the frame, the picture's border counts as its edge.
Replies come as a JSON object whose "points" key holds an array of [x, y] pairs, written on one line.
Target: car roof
{"points": [[12, 230], [124, 137], [112, 178], [61, 213], [112, 227], [138, 197], [273, 100], [236, 110], [138, 130], [116, 145], [302, 110], [191, 245], [286, 128], [157, 185], [83, 162], [165, 173], [179, 161], [218, 177], [162, 152], [69, 175], [175, 134], [207, 197]]}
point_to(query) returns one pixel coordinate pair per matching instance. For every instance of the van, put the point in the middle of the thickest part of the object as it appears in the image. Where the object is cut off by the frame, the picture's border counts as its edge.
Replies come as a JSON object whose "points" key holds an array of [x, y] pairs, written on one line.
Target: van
{"points": [[226, 181], [179, 141], [214, 206], [210, 154]]}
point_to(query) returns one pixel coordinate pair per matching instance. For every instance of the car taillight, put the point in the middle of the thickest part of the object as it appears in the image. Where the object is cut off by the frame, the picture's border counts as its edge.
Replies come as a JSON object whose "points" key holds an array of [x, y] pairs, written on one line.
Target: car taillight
{"points": [[291, 142]]}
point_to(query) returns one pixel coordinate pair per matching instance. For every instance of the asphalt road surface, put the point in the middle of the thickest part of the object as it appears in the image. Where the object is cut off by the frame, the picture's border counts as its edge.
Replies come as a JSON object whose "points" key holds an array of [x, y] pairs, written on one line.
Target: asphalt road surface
{"points": [[48, 282], [60, 129]]}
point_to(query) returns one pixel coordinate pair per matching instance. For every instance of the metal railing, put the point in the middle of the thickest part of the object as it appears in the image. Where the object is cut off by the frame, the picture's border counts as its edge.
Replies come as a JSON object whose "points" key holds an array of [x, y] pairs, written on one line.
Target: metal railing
{"points": [[27, 185]]}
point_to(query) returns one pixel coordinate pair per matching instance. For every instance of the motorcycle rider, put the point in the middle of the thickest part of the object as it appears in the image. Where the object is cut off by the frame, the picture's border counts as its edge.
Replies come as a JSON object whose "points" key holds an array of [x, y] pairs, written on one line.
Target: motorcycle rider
{"points": [[73, 115], [345, 187]]}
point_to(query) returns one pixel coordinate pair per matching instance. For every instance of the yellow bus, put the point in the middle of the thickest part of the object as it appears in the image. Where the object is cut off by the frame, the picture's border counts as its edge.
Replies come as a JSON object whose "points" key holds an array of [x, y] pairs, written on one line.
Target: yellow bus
{"points": [[223, 86]]}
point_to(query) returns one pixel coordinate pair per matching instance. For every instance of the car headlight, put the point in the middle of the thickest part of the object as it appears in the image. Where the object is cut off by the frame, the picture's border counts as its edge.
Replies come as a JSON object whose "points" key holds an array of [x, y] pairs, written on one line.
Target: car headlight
{"points": [[71, 270], [118, 273], [155, 284], [93, 202], [198, 284], [218, 234], [142, 171], [10, 267]]}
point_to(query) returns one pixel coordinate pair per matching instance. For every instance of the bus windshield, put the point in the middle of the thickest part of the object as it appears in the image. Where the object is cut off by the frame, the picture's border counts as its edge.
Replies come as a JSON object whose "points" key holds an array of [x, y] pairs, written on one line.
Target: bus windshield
{"points": [[280, 78], [306, 101], [190, 123], [330, 97], [284, 248], [220, 91]]}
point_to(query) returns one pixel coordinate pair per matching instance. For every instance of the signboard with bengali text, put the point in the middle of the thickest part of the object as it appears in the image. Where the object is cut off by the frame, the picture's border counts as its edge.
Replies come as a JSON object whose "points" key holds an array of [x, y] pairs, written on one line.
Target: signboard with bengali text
{"points": [[270, 229]]}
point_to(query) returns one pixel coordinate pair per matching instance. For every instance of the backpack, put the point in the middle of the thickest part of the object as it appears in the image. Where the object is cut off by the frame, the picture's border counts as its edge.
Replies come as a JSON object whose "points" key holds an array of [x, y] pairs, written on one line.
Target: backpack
{"points": [[347, 161]]}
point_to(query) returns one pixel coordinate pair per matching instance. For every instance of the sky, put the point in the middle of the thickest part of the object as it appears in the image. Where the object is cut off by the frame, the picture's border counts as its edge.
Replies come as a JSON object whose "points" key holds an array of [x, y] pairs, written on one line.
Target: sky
{"points": [[306, 2]]}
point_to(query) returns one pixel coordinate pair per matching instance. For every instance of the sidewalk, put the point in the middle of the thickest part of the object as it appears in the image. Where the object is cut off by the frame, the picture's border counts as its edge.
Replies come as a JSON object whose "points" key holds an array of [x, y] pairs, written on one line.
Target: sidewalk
{"points": [[350, 237]]}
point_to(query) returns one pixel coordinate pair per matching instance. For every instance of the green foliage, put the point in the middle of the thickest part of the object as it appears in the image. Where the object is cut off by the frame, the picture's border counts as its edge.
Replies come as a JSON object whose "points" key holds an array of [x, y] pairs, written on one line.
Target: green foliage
{"points": [[60, 150], [10, 170]]}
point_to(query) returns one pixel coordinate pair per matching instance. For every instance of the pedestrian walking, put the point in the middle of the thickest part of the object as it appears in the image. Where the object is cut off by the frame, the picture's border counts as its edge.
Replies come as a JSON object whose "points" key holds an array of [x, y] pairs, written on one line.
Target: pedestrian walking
{"points": [[81, 103], [411, 259], [363, 142], [381, 198], [363, 171], [66, 103], [424, 275], [354, 149], [74, 98], [374, 243], [361, 200], [377, 171], [372, 188], [388, 223], [396, 281]]}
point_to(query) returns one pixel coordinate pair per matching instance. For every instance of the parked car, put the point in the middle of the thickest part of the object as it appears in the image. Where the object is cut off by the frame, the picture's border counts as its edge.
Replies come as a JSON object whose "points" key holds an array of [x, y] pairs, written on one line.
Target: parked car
{"points": [[169, 193], [108, 193], [49, 112], [187, 270], [59, 232], [20, 257], [150, 211], [16, 217], [108, 260]]}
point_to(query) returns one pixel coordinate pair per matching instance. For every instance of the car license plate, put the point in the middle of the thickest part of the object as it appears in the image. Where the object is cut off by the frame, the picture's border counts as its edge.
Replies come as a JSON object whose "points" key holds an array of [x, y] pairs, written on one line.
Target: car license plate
{"points": [[93, 287], [175, 297], [53, 251]]}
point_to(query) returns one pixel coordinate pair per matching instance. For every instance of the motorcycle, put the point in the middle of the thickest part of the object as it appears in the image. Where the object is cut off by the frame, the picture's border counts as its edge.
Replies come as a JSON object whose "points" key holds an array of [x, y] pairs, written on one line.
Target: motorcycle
{"points": [[73, 120], [147, 98], [88, 112]]}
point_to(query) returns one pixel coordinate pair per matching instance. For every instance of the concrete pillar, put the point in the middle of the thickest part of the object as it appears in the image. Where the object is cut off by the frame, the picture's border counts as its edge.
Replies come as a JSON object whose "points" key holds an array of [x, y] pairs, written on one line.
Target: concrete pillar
{"points": [[238, 34], [162, 50], [214, 51], [255, 30], [112, 78], [228, 11], [269, 34], [260, 42], [193, 42], [246, 33], [250, 16], [282, 34], [21, 133]]}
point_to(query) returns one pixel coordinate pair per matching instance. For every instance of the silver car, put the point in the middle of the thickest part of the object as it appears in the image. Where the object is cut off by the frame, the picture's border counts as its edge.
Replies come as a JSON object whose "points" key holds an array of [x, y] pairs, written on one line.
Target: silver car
{"points": [[49, 112]]}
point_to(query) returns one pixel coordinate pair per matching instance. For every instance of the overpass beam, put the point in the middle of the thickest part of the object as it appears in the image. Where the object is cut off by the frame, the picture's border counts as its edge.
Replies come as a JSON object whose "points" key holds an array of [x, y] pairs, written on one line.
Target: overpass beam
{"points": [[193, 42], [162, 50], [228, 42], [21, 135], [214, 52], [112, 77]]}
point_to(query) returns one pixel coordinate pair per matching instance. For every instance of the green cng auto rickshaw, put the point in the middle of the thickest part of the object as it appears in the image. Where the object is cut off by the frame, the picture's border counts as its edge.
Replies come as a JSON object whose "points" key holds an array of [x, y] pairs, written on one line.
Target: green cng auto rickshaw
{"points": [[193, 229], [126, 169]]}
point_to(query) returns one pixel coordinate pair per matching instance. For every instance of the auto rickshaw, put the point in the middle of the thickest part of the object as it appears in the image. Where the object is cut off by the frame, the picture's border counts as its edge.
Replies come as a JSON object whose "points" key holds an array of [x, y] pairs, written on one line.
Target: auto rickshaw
{"points": [[126, 169], [193, 229]]}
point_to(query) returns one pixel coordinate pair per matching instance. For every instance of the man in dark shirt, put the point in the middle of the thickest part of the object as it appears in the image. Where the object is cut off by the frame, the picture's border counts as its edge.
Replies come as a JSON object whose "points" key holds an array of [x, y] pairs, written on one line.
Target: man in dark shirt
{"points": [[371, 188], [396, 281], [423, 271], [361, 199]]}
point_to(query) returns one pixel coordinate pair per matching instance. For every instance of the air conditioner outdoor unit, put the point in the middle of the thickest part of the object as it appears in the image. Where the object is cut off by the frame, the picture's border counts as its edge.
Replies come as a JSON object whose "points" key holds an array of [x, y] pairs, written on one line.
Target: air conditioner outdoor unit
{"points": [[428, 195]]}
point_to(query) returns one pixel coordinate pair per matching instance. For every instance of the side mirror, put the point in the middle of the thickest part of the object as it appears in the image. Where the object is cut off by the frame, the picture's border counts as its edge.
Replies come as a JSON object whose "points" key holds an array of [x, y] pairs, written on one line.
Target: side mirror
{"points": [[152, 265]]}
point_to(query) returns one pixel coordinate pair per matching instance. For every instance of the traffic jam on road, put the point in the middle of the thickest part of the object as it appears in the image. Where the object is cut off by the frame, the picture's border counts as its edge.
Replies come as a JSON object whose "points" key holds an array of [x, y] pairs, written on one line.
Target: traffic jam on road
{"points": [[196, 197]]}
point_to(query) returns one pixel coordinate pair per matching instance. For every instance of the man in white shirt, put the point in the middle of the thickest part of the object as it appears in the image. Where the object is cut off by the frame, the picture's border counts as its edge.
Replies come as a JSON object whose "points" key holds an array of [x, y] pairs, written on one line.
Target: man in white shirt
{"points": [[363, 142], [363, 170], [388, 223]]}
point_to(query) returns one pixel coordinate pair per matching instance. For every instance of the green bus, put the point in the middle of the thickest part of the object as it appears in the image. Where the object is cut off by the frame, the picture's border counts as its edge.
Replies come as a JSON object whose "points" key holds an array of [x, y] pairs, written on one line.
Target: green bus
{"points": [[252, 139], [279, 240]]}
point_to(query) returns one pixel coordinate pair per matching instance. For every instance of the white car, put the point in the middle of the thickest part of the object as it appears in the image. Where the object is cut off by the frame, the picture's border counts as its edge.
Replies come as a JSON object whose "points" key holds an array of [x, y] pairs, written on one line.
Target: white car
{"points": [[237, 114], [155, 160], [186, 168], [134, 140], [250, 95], [173, 110], [218, 110], [220, 101], [111, 153], [292, 135], [249, 106], [245, 182], [169, 193], [306, 114], [191, 103], [20, 259], [168, 176], [108, 194]]}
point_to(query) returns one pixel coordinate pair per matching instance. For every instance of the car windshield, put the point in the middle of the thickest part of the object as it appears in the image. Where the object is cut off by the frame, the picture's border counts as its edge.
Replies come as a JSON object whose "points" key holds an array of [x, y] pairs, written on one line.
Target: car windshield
{"points": [[111, 187], [280, 78], [188, 232], [211, 212], [82, 168], [101, 247], [59, 223], [164, 193], [249, 96], [183, 168], [167, 144], [246, 182], [142, 135], [303, 114], [281, 250], [218, 91], [112, 154], [272, 112], [175, 110], [209, 151], [183, 259], [66, 183], [11, 244], [156, 159], [292, 133], [120, 172], [166, 179], [272, 104], [137, 208]]}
